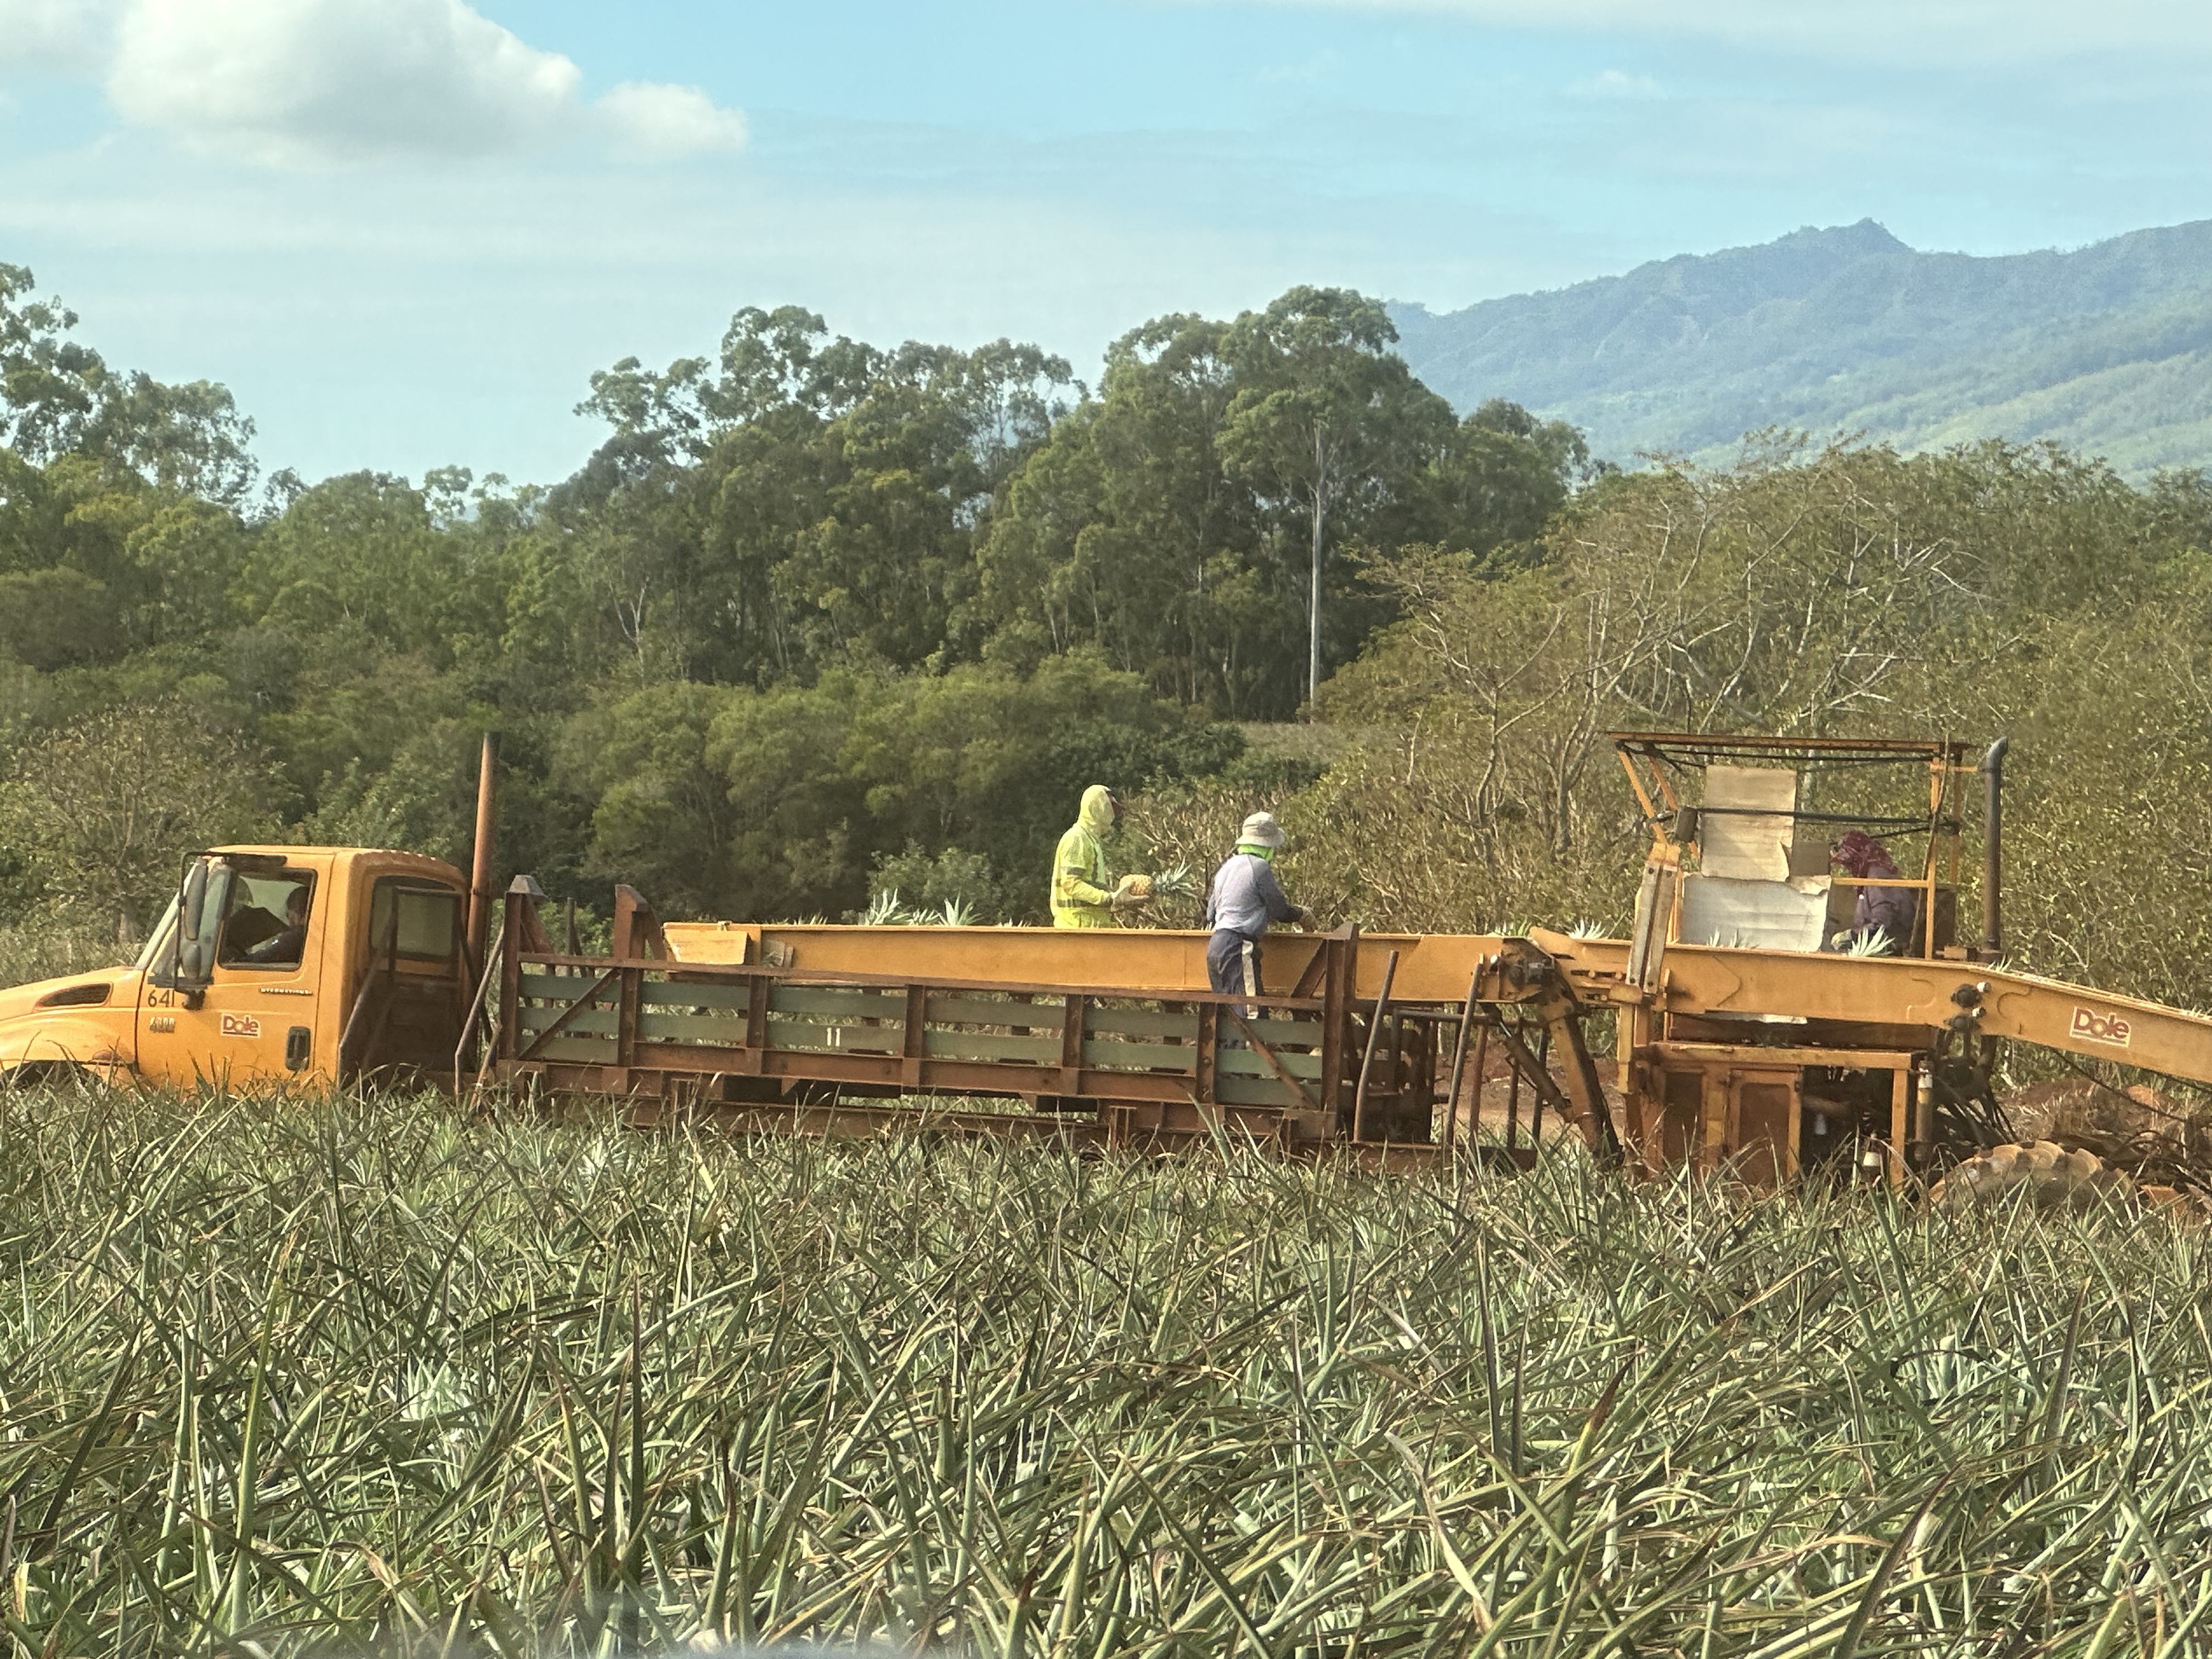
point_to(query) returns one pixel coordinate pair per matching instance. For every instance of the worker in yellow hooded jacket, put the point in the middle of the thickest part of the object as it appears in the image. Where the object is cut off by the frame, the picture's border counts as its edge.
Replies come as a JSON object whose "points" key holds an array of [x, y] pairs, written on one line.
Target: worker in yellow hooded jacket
{"points": [[1083, 891]]}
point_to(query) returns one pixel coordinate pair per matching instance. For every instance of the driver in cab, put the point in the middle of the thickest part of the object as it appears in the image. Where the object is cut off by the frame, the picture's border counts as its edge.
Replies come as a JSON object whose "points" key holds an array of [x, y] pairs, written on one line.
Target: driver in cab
{"points": [[281, 948]]}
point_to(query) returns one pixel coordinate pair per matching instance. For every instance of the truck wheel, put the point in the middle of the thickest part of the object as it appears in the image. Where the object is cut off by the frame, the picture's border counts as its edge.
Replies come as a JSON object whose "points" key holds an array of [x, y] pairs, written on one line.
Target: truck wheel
{"points": [[2052, 1176], [39, 1073]]}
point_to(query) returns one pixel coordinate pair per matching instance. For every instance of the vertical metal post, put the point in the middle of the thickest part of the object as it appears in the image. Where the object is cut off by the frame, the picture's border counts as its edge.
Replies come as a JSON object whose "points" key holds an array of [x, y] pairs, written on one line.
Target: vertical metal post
{"points": [[914, 1033], [1338, 979], [1459, 1061], [1512, 1099], [1209, 1050], [1900, 1123], [480, 873], [760, 987], [1537, 1110], [1993, 848], [629, 993], [1374, 1034], [1481, 1072], [512, 939]]}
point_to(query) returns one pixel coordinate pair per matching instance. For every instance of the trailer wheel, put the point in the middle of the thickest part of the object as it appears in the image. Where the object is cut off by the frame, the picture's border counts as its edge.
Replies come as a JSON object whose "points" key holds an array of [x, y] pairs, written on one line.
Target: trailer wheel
{"points": [[2182, 1206], [2052, 1177]]}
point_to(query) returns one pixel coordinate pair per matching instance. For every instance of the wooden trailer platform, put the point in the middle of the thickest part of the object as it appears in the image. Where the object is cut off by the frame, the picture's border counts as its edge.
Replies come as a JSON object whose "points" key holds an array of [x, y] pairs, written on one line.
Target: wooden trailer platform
{"points": [[773, 1042]]}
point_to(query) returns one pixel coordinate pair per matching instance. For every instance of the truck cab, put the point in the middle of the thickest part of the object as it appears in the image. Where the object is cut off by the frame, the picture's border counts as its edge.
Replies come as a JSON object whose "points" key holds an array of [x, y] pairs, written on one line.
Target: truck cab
{"points": [[274, 966]]}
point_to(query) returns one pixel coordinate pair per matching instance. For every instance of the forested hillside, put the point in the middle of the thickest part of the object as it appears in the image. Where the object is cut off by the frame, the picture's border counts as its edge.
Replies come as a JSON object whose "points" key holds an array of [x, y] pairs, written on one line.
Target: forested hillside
{"points": [[2107, 349], [819, 619], [813, 607]]}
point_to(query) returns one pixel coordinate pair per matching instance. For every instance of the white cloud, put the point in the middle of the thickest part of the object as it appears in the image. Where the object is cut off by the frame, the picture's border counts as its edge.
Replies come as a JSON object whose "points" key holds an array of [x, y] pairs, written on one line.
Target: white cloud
{"points": [[53, 33], [1927, 33], [325, 79], [319, 80], [666, 123]]}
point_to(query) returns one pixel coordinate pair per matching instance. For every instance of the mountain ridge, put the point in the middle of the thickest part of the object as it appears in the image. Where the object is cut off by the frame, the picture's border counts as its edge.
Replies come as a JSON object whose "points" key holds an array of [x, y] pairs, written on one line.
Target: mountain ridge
{"points": [[1847, 330]]}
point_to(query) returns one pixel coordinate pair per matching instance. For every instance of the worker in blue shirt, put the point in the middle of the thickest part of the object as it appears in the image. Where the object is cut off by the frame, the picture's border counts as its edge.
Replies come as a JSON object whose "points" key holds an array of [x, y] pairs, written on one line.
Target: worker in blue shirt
{"points": [[1245, 898]]}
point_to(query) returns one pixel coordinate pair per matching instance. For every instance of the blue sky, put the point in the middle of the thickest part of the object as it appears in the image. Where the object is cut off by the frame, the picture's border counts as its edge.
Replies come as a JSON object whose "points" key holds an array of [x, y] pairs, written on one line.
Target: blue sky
{"points": [[405, 232]]}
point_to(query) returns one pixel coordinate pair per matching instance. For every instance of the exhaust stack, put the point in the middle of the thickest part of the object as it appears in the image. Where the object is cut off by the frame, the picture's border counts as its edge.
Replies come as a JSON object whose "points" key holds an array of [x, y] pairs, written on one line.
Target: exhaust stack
{"points": [[1992, 770], [480, 877]]}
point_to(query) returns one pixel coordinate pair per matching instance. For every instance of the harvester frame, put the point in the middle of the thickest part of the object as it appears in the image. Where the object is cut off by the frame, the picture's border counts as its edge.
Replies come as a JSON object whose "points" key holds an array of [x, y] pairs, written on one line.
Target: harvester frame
{"points": [[1769, 1062]]}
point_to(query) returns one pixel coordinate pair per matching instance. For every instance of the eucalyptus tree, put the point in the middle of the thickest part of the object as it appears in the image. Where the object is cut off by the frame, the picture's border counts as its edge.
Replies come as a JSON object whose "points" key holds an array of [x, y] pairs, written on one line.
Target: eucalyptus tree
{"points": [[58, 397], [1124, 533], [1327, 421], [803, 500]]}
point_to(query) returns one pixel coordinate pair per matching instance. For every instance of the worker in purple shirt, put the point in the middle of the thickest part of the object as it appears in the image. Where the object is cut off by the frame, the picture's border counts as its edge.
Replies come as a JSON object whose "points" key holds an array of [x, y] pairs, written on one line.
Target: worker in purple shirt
{"points": [[1893, 912], [1245, 898]]}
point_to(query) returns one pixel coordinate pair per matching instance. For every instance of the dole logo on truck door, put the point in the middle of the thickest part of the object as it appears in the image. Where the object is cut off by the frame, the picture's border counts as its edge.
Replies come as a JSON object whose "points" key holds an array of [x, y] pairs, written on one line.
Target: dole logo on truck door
{"points": [[2101, 1028], [240, 1025]]}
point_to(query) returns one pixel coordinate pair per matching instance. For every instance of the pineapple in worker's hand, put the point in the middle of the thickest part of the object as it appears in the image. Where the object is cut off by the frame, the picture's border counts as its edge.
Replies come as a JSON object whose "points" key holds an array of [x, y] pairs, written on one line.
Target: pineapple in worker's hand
{"points": [[1133, 893]]}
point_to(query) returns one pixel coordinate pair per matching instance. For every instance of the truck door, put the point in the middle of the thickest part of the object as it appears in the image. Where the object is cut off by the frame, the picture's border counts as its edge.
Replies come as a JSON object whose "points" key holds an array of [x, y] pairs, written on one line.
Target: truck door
{"points": [[232, 997], [404, 1020]]}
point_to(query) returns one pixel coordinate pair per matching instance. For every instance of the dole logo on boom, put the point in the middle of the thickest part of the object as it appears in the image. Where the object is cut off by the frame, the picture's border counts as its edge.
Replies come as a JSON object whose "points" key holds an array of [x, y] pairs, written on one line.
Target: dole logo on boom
{"points": [[2101, 1028]]}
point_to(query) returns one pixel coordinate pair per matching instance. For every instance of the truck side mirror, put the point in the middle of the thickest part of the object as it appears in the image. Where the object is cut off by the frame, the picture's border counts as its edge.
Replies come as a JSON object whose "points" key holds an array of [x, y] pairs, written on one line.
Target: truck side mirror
{"points": [[201, 902]]}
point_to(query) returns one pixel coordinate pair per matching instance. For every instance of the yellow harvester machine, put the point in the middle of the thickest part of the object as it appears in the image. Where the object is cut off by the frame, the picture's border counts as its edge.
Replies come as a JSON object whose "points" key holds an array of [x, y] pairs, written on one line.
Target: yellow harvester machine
{"points": [[1739, 1032]]}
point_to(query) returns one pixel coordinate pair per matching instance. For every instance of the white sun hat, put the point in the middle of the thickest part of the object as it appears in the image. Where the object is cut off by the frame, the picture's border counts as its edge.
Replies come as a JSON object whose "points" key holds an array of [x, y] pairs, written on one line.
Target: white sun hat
{"points": [[1260, 829]]}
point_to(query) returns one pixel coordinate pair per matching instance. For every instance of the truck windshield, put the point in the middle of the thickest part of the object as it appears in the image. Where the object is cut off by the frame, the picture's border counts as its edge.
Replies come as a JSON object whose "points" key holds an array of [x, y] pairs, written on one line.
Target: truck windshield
{"points": [[157, 942], [235, 910]]}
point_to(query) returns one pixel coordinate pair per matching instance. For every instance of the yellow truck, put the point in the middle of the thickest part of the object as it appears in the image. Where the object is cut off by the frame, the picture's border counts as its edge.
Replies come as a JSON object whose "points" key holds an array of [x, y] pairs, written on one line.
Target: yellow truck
{"points": [[304, 965]]}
